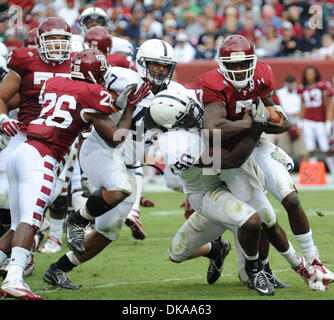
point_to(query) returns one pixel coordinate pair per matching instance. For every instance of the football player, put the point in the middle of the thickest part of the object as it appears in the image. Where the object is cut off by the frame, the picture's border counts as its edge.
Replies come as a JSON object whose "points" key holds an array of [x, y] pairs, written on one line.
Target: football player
{"points": [[28, 70], [115, 179], [227, 94], [316, 113], [30, 39], [69, 106], [184, 149], [99, 37]]}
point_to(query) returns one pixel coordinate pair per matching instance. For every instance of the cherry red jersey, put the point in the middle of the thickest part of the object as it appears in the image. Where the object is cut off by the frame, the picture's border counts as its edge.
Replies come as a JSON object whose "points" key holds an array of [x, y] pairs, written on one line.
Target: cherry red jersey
{"points": [[313, 100], [213, 86], [33, 69], [61, 118], [118, 60]]}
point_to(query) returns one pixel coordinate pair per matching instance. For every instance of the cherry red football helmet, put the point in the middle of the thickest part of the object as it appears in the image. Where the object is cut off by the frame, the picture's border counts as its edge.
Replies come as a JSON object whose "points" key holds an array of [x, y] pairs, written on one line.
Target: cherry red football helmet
{"points": [[30, 39], [237, 60], [99, 38], [90, 65], [54, 49]]}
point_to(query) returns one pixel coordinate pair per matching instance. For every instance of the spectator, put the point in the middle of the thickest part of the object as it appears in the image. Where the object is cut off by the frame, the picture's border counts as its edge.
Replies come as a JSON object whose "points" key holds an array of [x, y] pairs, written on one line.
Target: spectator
{"points": [[150, 28], [132, 30], [278, 7], [231, 23], [3, 26], [292, 142], [192, 27], [249, 30], [310, 41], [269, 18], [293, 15], [210, 29], [289, 40], [105, 5], [326, 51], [42, 7], [70, 12], [331, 26], [170, 28], [208, 50], [184, 52], [211, 14], [250, 7], [158, 8], [12, 42], [271, 42]]}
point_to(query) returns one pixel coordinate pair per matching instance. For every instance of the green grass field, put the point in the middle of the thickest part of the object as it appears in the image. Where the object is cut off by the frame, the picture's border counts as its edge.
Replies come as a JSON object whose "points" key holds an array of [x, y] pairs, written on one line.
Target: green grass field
{"points": [[140, 270]]}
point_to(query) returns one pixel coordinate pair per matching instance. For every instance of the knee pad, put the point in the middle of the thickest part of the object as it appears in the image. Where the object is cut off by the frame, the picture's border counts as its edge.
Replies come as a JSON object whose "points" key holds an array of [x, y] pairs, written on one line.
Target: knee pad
{"points": [[59, 206], [96, 204]]}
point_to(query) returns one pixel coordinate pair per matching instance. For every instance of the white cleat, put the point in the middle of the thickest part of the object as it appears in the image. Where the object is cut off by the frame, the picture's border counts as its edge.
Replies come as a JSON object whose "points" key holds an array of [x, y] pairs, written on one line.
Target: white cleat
{"points": [[18, 289], [320, 272], [134, 223], [27, 271], [309, 275], [51, 245]]}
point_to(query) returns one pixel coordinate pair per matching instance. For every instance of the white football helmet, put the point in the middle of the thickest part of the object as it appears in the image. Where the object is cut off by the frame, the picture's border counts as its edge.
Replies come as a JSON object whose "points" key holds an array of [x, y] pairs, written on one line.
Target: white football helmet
{"points": [[93, 14], [3, 50], [156, 51], [173, 109]]}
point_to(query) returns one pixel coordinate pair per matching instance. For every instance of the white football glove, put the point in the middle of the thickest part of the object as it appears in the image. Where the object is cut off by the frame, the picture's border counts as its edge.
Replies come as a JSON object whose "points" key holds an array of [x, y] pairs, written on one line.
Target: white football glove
{"points": [[259, 112], [122, 99]]}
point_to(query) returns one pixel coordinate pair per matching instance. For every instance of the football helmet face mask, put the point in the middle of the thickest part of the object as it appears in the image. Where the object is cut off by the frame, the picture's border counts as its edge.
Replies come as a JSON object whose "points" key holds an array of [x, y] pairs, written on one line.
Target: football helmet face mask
{"points": [[89, 65], [30, 39], [99, 38], [155, 61], [172, 109], [54, 39], [92, 17], [237, 60]]}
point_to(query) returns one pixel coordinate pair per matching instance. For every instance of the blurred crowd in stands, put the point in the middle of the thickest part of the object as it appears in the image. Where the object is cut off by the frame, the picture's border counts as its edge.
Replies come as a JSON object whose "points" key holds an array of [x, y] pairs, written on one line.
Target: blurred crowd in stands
{"points": [[195, 28]]}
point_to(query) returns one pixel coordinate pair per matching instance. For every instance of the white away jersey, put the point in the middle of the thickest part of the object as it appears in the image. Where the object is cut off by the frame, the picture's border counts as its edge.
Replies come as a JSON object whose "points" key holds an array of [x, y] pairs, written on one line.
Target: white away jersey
{"points": [[182, 149], [135, 145]]}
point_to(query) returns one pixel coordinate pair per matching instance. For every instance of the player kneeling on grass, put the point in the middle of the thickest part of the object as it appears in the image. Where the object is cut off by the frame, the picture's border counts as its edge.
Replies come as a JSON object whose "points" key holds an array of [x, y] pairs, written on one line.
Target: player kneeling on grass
{"points": [[70, 106]]}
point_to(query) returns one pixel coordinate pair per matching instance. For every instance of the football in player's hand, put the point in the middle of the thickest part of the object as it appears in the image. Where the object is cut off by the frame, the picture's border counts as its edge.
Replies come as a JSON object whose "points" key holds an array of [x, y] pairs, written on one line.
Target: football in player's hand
{"points": [[274, 116]]}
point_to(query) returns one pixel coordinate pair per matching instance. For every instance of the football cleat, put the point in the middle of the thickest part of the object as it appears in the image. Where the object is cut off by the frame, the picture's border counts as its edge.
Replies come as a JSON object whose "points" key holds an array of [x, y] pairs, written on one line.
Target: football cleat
{"points": [[58, 278], [257, 279], [146, 203], [51, 245], [273, 279], [27, 271], [310, 278], [134, 223], [321, 273], [216, 265], [18, 289], [75, 234]]}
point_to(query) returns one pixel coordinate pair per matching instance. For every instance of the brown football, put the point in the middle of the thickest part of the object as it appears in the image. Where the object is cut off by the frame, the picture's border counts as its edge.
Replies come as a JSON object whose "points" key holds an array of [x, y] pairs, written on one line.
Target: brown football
{"points": [[274, 115]]}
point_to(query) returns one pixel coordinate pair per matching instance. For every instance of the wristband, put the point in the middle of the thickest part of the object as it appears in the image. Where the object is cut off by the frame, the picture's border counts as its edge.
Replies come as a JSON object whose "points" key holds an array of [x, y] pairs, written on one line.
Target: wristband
{"points": [[256, 131], [3, 117]]}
